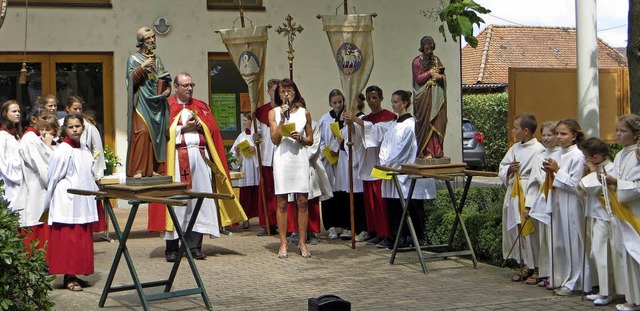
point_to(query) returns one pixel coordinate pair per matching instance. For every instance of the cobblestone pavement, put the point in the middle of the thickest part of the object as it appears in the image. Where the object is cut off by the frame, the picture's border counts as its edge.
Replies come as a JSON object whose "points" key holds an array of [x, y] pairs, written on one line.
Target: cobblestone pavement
{"points": [[242, 272]]}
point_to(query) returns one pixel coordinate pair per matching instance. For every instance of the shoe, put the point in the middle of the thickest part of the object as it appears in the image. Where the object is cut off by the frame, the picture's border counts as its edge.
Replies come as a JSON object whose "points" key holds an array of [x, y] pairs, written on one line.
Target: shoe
{"points": [[385, 243], [404, 242], [246, 225], [593, 297], [262, 231], [622, 307], [564, 291], [304, 254], [171, 256], [283, 255], [312, 238], [363, 236], [333, 233], [294, 238], [374, 240], [197, 254], [346, 235], [603, 301]]}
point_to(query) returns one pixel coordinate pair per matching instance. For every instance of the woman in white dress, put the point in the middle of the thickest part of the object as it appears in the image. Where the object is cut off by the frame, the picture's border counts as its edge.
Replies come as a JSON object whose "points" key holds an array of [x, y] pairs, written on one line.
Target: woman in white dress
{"points": [[291, 161], [11, 163]]}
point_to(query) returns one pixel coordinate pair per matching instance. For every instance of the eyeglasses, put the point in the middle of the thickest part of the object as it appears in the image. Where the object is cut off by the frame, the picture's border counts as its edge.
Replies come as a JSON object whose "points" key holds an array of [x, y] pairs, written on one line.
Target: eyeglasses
{"points": [[186, 85], [287, 92]]}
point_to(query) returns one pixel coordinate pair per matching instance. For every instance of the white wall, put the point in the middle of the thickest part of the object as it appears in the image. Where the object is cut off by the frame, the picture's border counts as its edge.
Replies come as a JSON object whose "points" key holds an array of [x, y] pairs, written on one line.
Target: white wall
{"points": [[398, 29]]}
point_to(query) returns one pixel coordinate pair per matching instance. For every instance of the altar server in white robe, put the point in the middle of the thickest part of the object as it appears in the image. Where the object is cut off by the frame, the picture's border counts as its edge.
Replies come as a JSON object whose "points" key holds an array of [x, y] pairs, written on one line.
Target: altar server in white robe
{"points": [[70, 216], [11, 164], [399, 146], [603, 255], [540, 208], [626, 176], [248, 196], [36, 151], [568, 210], [519, 161]]}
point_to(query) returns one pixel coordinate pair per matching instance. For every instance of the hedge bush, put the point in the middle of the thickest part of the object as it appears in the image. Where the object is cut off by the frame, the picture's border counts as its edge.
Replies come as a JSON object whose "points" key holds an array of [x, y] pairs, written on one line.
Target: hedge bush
{"points": [[24, 285], [482, 215], [488, 113]]}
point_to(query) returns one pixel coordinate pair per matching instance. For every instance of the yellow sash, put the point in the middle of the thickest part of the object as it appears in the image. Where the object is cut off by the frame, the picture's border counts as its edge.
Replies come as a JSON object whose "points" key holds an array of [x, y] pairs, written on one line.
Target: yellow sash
{"points": [[516, 191], [230, 211], [622, 211], [547, 186]]}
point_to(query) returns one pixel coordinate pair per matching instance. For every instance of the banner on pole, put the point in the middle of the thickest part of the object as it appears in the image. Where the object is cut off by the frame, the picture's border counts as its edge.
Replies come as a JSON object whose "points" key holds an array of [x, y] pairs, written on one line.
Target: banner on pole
{"points": [[248, 49], [352, 47]]}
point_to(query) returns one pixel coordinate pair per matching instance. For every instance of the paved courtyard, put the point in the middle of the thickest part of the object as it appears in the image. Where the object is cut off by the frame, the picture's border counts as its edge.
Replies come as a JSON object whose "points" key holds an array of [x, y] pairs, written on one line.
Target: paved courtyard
{"points": [[242, 272]]}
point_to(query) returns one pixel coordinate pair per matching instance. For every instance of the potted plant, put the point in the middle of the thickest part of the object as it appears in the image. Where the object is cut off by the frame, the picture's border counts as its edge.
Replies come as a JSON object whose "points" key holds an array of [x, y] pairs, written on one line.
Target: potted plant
{"points": [[111, 160]]}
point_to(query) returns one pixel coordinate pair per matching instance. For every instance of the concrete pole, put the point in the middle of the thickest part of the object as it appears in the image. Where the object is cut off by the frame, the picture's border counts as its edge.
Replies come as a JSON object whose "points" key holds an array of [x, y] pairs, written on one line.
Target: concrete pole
{"points": [[587, 61]]}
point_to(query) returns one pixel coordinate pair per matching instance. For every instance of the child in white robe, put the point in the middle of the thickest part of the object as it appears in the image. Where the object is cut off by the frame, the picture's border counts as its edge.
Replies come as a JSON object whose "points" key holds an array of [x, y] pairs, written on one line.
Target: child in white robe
{"points": [[519, 160], [249, 184], [568, 210], [11, 164]]}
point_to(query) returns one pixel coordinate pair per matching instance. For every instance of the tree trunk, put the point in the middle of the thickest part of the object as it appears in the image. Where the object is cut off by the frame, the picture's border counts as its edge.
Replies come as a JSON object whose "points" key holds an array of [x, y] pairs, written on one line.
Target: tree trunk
{"points": [[633, 55]]}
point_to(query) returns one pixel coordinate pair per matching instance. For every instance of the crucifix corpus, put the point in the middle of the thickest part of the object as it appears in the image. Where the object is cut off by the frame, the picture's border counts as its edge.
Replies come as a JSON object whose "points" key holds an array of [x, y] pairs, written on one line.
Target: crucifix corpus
{"points": [[289, 30]]}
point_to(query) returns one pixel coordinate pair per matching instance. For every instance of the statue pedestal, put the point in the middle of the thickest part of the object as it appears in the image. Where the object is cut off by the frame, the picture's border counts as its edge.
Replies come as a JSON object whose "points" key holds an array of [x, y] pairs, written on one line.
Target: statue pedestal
{"points": [[148, 181], [433, 161]]}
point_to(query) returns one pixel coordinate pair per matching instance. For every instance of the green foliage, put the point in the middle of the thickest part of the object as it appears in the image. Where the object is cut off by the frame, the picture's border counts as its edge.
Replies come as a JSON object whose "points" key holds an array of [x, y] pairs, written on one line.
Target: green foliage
{"points": [[23, 282], [459, 16], [111, 158], [482, 216], [488, 114]]}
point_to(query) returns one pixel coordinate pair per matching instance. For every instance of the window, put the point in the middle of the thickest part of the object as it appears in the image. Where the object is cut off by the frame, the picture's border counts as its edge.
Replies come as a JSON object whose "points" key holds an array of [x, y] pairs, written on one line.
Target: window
{"points": [[249, 5], [71, 3], [87, 75], [228, 95]]}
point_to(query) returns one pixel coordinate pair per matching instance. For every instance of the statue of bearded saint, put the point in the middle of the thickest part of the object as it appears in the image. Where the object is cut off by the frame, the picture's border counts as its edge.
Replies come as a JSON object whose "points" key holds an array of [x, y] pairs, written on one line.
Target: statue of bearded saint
{"points": [[430, 101], [148, 86]]}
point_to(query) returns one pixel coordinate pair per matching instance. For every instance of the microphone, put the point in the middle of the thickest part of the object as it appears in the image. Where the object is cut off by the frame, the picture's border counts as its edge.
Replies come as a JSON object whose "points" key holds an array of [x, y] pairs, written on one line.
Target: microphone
{"points": [[287, 112]]}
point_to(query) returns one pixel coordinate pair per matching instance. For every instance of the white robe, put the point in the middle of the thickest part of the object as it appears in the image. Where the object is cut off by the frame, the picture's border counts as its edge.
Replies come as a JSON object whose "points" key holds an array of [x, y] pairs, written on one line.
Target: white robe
{"points": [[201, 176], [606, 260], [266, 145], [398, 147], [569, 221], [541, 211], [11, 172], [70, 168], [91, 138], [36, 156], [627, 171], [328, 139], [526, 153], [249, 164]]}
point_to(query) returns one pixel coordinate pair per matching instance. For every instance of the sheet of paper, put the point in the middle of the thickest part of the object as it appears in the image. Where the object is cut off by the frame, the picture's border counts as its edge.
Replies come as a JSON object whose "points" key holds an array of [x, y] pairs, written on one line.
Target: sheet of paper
{"points": [[377, 173], [335, 129], [329, 156], [286, 129], [245, 149]]}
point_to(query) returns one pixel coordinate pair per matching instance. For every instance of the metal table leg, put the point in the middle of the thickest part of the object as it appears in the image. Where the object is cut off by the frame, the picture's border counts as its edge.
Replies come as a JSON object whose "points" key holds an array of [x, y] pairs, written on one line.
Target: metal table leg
{"points": [[406, 216]]}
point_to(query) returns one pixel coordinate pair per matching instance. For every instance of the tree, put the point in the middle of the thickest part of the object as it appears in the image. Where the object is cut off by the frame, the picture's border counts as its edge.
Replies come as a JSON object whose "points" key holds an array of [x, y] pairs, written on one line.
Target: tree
{"points": [[459, 16], [633, 55]]}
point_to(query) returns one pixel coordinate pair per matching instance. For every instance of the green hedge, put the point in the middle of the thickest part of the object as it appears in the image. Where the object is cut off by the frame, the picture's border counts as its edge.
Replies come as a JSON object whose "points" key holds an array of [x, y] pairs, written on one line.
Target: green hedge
{"points": [[488, 113], [24, 285], [482, 216]]}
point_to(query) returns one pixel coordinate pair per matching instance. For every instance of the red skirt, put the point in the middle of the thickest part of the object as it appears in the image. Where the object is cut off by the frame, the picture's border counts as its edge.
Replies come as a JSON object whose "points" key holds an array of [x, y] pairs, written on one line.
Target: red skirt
{"points": [[40, 233], [270, 197], [101, 224], [249, 198], [71, 249]]}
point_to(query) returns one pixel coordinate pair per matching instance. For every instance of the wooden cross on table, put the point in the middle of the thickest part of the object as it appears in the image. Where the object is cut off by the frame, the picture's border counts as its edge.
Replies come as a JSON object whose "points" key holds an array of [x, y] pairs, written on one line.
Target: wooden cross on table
{"points": [[289, 30]]}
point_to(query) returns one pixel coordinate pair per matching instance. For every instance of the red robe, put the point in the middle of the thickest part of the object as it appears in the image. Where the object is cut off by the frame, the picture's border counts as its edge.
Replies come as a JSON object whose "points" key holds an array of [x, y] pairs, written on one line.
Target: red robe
{"points": [[157, 211]]}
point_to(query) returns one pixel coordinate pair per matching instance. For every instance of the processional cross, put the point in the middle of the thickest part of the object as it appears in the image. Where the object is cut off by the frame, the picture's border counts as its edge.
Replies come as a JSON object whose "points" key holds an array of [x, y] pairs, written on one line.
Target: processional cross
{"points": [[289, 30]]}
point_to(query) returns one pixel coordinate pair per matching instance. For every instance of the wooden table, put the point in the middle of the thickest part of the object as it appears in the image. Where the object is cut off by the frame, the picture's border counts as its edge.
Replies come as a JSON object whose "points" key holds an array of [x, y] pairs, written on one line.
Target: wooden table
{"points": [[174, 194], [446, 173]]}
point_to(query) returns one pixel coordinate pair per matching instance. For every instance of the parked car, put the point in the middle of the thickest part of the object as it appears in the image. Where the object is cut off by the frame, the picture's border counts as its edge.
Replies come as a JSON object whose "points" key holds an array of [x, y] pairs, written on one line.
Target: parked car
{"points": [[472, 145]]}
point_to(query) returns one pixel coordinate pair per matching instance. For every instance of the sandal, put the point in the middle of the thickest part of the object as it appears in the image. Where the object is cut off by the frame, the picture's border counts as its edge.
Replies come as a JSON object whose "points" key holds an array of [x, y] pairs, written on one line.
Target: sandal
{"points": [[71, 284], [533, 279], [544, 283], [81, 282], [524, 273]]}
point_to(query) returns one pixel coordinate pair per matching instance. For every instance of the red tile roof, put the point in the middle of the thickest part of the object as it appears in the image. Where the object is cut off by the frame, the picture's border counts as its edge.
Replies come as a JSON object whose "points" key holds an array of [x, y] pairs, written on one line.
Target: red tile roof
{"points": [[501, 47]]}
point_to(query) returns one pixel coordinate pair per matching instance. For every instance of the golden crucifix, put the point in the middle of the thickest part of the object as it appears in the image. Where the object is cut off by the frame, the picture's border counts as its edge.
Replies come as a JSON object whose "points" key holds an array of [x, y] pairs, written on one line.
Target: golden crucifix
{"points": [[289, 30]]}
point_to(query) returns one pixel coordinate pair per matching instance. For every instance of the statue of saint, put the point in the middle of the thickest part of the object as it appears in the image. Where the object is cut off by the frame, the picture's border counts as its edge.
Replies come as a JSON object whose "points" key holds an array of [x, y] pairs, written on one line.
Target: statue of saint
{"points": [[430, 100], [148, 86]]}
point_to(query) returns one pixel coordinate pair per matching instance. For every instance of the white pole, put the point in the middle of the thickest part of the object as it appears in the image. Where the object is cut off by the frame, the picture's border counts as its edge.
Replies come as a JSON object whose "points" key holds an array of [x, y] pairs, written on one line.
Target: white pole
{"points": [[587, 61]]}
